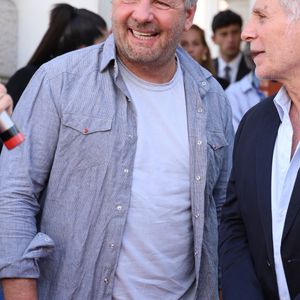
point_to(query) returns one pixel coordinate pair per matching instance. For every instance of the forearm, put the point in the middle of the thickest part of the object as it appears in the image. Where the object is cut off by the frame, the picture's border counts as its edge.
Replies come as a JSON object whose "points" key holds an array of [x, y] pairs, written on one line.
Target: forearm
{"points": [[19, 289]]}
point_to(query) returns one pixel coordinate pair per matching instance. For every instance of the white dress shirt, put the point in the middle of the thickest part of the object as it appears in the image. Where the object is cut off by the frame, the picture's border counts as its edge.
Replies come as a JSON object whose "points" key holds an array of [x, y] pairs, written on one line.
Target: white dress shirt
{"points": [[284, 173], [234, 67]]}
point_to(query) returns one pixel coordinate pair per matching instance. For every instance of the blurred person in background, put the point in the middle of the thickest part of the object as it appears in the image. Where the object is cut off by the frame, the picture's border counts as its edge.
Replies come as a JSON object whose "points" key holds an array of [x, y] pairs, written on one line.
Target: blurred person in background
{"points": [[230, 64], [194, 42], [69, 29]]}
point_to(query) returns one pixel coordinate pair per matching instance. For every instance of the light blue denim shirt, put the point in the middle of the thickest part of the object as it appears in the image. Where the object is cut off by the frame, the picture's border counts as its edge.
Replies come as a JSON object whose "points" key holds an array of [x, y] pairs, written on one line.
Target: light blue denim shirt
{"points": [[65, 192]]}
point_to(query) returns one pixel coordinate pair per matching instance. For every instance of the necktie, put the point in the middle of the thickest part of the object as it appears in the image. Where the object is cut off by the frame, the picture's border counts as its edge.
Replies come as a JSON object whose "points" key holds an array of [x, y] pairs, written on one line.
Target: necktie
{"points": [[227, 70]]}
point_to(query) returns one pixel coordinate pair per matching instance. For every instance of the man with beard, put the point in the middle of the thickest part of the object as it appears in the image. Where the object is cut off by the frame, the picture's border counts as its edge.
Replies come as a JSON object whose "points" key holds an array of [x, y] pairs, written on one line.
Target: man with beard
{"points": [[114, 193]]}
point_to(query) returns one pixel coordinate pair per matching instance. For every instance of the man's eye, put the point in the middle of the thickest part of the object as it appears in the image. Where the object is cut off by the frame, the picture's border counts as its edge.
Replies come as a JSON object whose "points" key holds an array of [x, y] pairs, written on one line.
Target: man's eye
{"points": [[162, 4], [129, 1], [184, 44], [261, 16]]}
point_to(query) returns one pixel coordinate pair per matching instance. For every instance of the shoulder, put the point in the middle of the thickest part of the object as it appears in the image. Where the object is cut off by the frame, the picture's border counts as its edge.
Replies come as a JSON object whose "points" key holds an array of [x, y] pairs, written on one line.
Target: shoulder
{"points": [[255, 117], [211, 92], [194, 72], [78, 62], [260, 109]]}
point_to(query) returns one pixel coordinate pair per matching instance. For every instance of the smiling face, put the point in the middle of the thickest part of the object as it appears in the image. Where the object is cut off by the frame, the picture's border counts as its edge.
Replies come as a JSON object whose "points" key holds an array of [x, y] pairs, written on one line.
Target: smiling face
{"points": [[147, 32], [275, 41]]}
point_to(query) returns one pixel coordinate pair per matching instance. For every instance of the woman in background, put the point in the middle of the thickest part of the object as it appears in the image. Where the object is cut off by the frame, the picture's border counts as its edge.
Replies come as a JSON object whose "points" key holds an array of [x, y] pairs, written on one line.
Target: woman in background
{"points": [[194, 42], [69, 29]]}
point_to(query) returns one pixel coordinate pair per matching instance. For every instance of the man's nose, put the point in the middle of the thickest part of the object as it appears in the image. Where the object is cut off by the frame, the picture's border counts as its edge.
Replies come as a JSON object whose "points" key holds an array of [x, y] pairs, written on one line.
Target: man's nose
{"points": [[249, 32], [143, 11]]}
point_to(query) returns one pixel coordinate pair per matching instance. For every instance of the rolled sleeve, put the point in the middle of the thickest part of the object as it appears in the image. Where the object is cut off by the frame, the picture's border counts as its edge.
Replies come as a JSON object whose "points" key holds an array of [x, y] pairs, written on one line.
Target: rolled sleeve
{"points": [[26, 266], [24, 173]]}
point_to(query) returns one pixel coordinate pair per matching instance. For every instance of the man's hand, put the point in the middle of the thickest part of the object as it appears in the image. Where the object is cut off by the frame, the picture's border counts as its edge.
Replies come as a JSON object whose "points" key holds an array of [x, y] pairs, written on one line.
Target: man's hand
{"points": [[19, 289], [6, 102]]}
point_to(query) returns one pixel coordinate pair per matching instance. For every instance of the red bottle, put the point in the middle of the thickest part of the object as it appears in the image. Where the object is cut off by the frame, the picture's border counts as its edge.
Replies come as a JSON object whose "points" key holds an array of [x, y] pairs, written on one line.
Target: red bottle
{"points": [[9, 133]]}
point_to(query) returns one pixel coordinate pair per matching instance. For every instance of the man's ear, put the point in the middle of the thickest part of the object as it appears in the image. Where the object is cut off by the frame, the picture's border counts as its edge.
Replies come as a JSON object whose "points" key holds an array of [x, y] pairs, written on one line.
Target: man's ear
{"points": [[190, 13]]}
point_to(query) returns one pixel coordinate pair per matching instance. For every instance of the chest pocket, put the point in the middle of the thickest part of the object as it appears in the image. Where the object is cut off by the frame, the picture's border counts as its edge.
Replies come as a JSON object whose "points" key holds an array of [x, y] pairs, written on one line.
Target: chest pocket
{"points": [[86, 125], [85, 141], [216, 146]]}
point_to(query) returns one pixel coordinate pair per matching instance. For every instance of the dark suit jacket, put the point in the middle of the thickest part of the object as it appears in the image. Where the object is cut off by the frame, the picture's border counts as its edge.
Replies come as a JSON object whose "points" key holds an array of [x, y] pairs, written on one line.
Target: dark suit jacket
{"points": [[246, 247], [242, 71]]}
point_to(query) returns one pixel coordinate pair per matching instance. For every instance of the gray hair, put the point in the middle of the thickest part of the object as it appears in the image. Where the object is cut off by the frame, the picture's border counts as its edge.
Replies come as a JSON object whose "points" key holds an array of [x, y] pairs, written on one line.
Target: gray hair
{"points": [[190, 3], [292, 8]]}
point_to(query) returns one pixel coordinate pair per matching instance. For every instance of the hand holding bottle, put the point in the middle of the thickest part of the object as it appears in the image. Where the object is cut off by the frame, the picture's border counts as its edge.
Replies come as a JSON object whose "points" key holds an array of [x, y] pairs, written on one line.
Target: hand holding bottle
{"points": [[9, 133]]}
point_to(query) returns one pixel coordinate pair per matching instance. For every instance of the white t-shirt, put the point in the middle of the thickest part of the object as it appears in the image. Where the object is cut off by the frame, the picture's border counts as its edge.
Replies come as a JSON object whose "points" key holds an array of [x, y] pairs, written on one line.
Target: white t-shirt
{"points": [[156, 259]]}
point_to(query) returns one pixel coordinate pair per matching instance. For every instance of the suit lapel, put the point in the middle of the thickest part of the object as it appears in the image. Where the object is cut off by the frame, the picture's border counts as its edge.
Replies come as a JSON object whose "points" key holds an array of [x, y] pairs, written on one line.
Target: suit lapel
{"points": [[264, 150], [293, 208]]}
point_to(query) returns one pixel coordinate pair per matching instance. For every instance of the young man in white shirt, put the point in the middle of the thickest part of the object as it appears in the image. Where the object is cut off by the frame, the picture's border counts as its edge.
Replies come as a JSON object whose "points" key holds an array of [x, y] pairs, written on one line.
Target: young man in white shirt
{"points": [[227, 27]]}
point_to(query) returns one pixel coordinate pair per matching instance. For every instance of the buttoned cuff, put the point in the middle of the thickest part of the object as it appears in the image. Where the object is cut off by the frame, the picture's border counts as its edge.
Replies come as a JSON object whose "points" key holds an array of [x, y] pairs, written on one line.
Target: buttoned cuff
{"points": [[27, 266]]}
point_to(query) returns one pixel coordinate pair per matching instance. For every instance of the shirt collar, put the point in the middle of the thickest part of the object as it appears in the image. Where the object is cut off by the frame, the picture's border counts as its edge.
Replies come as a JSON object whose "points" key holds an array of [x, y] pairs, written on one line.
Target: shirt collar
{"points": [[232, 64], [109, 52], [282, 103]]}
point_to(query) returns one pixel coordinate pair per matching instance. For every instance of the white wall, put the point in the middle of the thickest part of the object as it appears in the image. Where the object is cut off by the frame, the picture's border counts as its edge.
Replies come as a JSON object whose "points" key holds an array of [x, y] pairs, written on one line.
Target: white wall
{"points": [[33, 22], [8, 39], [105, 10]]}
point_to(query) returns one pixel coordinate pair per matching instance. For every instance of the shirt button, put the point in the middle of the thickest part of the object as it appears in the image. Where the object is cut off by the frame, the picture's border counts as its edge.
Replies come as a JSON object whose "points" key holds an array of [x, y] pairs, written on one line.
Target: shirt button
{"points": [[119, 207], [130, 136], [203, 83], [198, 178], [85, 130], [200, 110], [126, 171], [47, 239], [199, 142], [196, 253], [197, 215], [106, 280], [112, 246]]}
